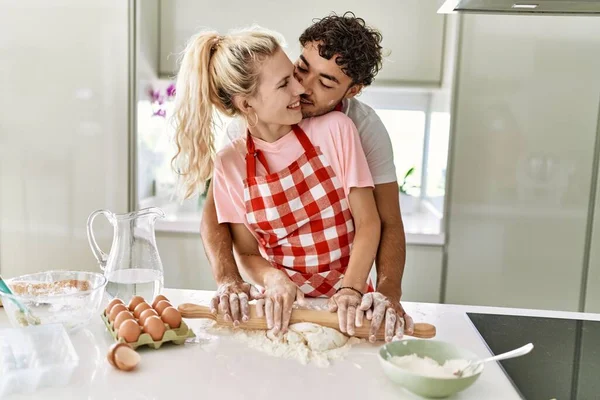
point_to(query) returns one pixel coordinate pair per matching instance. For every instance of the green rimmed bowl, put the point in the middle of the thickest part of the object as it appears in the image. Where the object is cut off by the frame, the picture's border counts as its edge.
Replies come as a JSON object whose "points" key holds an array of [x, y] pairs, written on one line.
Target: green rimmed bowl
{"points": [[421, 385]]}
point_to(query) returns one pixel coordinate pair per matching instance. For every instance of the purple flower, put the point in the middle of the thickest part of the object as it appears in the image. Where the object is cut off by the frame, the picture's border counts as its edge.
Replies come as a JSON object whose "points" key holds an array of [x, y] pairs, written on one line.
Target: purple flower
{"points": [[159, 113], [155, 95], [171, 90]]}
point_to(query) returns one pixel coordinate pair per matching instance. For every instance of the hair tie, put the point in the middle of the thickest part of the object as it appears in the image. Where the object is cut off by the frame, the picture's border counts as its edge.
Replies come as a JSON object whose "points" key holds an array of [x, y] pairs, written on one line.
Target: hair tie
{"points": [[215, 44]]}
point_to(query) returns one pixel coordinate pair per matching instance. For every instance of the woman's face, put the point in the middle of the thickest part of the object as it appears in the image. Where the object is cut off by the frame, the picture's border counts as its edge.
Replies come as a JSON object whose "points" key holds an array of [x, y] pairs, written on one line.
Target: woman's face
{"points": [[277, 101]]}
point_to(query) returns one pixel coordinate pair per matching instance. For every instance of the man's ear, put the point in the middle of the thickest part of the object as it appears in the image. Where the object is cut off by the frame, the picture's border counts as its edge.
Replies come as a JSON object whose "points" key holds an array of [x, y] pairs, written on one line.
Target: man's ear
{"points": [[353, 91], [241, 103]]}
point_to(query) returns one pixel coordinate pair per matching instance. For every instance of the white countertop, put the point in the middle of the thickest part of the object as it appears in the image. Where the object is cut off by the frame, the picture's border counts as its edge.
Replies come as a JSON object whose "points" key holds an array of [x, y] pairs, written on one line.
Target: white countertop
{"points": [[218, 367]]}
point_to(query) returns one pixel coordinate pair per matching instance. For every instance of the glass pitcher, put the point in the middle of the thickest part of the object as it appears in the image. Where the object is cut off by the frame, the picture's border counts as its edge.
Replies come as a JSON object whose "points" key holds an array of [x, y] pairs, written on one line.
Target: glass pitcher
{"points": [[133, 266]]}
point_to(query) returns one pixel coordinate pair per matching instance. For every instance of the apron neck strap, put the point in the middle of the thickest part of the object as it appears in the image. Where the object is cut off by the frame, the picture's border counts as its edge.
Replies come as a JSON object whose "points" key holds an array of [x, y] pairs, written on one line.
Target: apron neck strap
{"points": [[302, 138], [251, 155]]}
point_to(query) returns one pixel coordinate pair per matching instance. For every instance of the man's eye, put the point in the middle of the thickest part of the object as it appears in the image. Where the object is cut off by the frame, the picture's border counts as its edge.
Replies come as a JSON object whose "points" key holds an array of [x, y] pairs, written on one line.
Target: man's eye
{"points": [[302, 69], [325, 86]]}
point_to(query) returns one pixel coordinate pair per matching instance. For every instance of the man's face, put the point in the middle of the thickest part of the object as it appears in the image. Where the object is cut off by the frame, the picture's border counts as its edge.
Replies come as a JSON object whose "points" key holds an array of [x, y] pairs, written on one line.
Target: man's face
{"points": [[324, 82]]}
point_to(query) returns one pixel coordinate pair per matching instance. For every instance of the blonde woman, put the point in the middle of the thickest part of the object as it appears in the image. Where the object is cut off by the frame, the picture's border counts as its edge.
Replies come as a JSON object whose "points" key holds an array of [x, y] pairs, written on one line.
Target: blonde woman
{"points": [[300, 200]]}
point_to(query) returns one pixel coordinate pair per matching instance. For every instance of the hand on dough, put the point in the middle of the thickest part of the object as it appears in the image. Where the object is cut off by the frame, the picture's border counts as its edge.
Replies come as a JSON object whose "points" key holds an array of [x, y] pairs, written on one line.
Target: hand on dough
{"points": [[345, 303], [278, 299]]}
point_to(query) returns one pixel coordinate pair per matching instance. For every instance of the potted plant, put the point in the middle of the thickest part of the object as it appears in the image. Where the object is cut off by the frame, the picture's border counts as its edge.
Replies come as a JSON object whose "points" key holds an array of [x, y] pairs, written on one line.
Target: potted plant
{"points": [[408, 202]]}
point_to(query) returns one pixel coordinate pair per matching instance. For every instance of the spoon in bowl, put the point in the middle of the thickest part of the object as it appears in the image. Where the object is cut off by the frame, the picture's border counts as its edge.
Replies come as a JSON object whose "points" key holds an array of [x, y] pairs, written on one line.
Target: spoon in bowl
{"points": [[473, 365], [26, 317]]}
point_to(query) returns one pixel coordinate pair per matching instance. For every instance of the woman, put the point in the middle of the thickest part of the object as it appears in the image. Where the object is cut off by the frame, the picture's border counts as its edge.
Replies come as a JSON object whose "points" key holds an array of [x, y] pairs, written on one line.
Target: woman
{"points": [[300, 201]]}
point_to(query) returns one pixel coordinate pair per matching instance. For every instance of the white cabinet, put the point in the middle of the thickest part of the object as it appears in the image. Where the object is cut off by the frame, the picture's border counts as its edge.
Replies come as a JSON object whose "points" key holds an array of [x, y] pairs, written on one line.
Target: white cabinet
{"points": [[422, 279], [522, 151], [63, 129], [186, 266], [412, 30]]}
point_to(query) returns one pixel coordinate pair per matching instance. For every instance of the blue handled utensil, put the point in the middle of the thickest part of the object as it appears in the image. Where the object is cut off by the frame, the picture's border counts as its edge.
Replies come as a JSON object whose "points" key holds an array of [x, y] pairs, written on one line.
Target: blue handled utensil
{"points": [[29, 318]]}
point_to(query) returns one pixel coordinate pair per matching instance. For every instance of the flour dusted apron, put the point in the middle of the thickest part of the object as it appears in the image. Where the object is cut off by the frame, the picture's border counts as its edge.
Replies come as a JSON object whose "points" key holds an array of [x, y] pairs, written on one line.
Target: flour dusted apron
{"points": [[301, 218]]}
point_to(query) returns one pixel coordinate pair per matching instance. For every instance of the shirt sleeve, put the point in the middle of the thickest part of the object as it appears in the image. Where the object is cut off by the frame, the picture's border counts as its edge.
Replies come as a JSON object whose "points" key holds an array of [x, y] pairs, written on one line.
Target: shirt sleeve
{"points": [[227, 212], [352, 157], [377, 145]]}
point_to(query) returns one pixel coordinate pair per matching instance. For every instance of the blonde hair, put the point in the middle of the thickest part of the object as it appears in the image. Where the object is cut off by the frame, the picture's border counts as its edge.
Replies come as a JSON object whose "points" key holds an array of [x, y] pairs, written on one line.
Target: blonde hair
{"points": [[213, 69]]}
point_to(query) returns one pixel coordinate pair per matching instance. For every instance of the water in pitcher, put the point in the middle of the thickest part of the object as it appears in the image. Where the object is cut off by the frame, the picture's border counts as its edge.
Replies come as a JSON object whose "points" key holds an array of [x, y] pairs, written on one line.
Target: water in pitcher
{"points": [[126, 283]]}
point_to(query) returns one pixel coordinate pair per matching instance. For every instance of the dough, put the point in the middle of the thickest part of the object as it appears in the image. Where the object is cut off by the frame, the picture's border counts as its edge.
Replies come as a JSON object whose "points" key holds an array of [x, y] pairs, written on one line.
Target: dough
{"points": [[316, 337], [305, 342]]}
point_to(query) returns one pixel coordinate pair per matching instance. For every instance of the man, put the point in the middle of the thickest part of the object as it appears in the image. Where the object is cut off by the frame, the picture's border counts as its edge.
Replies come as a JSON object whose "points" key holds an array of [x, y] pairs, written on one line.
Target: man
{"points": [[340, 56]]}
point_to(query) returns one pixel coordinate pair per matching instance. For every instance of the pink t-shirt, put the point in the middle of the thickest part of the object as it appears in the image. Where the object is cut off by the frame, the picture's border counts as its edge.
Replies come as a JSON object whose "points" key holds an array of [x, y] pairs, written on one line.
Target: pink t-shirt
{"points": [[334, 133]]}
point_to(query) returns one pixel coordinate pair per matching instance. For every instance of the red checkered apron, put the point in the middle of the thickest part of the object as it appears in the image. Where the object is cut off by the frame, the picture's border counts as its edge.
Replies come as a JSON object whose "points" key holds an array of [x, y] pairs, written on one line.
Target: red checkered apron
{"points": [[301, 218]]}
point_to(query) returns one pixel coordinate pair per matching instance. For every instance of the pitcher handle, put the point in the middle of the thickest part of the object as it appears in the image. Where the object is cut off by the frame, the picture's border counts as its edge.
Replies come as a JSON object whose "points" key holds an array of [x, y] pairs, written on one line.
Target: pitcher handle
{"points": [[98, 253]]}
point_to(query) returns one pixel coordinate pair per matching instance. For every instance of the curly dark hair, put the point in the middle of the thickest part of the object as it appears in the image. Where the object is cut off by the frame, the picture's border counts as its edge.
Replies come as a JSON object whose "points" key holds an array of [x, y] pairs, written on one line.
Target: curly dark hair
{"points": [[358, 45]]}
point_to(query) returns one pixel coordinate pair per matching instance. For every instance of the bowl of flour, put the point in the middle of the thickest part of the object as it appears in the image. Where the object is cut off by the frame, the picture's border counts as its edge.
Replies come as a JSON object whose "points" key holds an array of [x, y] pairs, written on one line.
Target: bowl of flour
{"points": [[426, 367]]}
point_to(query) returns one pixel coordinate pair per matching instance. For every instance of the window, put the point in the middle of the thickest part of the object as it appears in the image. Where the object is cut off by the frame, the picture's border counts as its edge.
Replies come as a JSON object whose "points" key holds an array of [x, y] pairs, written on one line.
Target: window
{"points": [[419, 140]]}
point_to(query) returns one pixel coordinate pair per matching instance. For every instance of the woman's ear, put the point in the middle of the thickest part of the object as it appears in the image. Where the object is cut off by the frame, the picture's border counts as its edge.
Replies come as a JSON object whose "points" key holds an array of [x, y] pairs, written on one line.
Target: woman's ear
{"points": [[241, 103]]}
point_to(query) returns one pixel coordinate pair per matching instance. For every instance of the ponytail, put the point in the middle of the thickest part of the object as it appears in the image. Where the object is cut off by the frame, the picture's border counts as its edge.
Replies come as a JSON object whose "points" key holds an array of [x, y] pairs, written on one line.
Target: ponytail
{"points": [[194, 108]]}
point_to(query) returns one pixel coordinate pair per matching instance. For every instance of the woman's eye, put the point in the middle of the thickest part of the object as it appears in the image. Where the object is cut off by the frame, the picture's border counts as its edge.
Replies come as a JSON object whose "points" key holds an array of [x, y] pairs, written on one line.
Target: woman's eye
{"points": [[303, 70], [284, 85]]}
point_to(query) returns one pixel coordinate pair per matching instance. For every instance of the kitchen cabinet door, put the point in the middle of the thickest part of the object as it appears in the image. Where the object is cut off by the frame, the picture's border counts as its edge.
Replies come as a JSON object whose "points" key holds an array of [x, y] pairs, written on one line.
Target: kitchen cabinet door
{"points": [[412, 30], [63, 129], [522, 151]]}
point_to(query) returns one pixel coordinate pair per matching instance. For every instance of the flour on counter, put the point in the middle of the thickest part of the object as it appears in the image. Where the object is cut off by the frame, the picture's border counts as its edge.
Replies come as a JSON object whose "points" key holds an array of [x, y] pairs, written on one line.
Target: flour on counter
{"points": [[305, 342], [429, 367]]}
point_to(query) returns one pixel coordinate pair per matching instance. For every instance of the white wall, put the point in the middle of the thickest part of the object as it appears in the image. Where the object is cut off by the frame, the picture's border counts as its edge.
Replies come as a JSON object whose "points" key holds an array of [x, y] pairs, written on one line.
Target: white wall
{"points": [[63, 129], [525, 126], [412, 30]]}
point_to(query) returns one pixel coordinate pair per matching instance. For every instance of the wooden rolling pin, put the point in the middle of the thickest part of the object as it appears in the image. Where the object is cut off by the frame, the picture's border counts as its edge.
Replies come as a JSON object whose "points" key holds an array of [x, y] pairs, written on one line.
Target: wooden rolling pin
{"points": [[324, 318]]}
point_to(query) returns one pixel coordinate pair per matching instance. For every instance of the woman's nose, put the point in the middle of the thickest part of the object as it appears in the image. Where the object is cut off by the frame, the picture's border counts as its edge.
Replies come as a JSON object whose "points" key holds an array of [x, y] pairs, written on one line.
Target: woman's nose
{"points": [[298, 88]]}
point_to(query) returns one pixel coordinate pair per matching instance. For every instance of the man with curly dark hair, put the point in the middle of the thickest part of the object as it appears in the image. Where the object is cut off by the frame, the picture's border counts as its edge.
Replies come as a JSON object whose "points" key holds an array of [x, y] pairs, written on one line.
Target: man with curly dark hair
{"points": [[340, 56]]}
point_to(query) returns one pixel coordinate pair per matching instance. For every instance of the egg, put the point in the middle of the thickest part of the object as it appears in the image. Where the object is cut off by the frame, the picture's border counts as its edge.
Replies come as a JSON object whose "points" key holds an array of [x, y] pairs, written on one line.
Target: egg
{"points": [[135, 300], [112, 303], [129, 330], [139, 308], [145, 314], [115, 311], [157, 299], [155, 327], [121, 317], [171, 317], [161, 305]]}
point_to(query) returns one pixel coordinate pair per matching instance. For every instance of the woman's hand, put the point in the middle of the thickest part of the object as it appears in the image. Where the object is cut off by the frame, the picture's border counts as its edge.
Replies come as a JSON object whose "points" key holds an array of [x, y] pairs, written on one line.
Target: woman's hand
{"points": [[345, 302], [278, 299]]}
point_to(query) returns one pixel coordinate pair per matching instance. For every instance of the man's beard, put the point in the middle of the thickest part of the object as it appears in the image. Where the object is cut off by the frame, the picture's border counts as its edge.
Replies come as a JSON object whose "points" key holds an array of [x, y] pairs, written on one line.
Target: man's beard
{"points": [[309, 114]]}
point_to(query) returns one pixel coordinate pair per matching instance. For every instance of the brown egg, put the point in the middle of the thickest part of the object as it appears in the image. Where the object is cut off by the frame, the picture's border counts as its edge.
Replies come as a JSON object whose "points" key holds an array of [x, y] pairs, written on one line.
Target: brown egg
{"points": [[157, 299], [171, 317], [135, 300], [122, 316], [155, 327], [129, 330], [145, 314], [161, 305], [115, 311], [141, 307], [112, 303]]}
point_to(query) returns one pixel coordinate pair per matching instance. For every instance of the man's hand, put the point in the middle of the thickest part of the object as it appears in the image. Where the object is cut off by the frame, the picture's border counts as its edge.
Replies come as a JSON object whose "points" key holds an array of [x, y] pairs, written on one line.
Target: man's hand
{"points": [[375, 306], [345, 302], [231, 300]]}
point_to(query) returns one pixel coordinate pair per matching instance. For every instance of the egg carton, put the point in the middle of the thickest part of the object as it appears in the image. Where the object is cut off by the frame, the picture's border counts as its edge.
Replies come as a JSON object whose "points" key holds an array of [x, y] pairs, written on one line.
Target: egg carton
{"points": [[176, 336]]}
